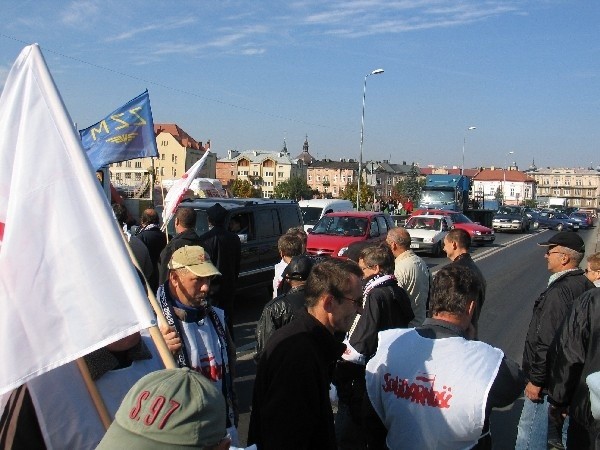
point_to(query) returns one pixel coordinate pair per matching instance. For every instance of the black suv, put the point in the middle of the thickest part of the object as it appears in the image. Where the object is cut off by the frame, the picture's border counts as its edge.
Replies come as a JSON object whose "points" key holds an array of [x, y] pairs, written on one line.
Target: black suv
{"points": [[259, 223]]}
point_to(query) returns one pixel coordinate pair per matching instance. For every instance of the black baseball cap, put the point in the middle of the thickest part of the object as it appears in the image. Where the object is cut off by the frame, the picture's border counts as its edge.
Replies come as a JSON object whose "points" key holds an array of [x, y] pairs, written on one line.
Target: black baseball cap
{"points": [[567, 239], [299, 268]]}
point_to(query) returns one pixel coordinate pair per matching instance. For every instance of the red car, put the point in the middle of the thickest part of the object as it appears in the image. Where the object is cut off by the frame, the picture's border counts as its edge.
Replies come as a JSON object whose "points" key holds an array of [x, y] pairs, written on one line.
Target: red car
{"points": [[480, 235], [335, 232]]}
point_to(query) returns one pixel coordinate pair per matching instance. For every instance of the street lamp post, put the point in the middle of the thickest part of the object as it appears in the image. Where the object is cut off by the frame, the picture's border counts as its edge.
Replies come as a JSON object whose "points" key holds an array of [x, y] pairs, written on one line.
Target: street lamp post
{"points": [[362, 130], [504, 180], [462, 168]]}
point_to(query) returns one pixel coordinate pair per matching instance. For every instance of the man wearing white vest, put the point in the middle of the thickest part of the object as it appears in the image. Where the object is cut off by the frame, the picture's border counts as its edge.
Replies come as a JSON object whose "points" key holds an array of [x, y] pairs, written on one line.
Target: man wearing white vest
{"points": [[432, 387]]}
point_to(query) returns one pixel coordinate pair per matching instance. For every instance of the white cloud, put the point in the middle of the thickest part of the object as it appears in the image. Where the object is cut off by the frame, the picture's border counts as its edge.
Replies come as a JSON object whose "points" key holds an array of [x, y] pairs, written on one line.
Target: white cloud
{"points": [[79, 12]]}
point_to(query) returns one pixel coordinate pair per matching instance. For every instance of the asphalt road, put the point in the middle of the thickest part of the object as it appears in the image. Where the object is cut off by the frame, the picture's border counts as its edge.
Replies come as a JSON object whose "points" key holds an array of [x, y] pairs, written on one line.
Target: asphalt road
{"points": [[515, 269]]}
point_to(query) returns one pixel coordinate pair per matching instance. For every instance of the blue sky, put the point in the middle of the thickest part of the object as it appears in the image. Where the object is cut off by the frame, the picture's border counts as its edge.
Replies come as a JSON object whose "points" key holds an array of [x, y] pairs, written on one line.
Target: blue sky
{"points": [[246, 75]]}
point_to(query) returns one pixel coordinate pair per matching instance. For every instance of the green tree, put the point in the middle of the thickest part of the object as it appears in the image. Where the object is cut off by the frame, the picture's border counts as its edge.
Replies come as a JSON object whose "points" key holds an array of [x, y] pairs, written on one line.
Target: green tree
{"points": [[244, 189], [349, 193], [499, 195], [410, 187], [295, 188]]}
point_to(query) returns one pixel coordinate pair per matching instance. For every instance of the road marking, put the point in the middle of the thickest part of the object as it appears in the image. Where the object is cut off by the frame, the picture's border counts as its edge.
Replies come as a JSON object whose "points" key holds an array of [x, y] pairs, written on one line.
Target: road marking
{"points": [[494, 250]]}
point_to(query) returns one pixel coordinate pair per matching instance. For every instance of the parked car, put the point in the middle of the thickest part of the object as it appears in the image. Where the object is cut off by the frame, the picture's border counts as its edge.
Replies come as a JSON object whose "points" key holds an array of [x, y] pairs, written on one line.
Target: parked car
{"points": [[314, 209], [585, 221], [554, 221], [427, 232], [335, 232], [479, 234], [510, 218], [262, 222]]}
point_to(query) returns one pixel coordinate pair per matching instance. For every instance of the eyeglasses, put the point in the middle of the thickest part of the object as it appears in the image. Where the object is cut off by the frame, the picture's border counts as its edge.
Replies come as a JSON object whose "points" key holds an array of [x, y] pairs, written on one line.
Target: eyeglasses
{"points": [[357, 302], [551, 253]]}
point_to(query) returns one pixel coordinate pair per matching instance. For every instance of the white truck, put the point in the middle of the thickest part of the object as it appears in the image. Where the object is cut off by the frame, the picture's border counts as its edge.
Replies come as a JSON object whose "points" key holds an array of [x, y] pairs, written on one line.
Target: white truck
{"points": [[557, 202]]}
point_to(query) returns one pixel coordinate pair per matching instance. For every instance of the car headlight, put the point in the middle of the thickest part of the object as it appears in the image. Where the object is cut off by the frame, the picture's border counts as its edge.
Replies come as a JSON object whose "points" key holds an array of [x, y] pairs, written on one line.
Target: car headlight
{"points": [[516, 221], [495, 220], [342, 251], [478, 233]]}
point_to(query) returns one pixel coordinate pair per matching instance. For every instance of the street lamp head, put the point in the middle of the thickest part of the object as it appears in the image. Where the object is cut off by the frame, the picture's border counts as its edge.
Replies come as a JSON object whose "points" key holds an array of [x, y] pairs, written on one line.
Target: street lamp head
{"points": [[376, 72], [471, 128]]}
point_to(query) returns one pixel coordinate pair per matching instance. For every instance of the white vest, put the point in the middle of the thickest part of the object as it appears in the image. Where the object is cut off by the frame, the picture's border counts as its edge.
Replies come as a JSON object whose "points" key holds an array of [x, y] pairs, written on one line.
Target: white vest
{"points": [[65, 412], [431, 393]]}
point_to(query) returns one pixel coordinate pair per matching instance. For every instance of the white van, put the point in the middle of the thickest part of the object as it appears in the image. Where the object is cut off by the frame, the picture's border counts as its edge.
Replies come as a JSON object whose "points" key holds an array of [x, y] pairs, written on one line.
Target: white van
{"points": [[313, 210]]}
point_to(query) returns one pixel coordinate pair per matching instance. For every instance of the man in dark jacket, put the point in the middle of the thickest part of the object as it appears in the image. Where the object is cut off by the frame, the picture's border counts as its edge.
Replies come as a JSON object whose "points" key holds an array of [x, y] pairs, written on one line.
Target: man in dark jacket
{"points": [[225, 250], [385, 305], [456, 245], [155, 240], [290, 403], [281, 309], [185, 227], [567, 282], [575, 355]]}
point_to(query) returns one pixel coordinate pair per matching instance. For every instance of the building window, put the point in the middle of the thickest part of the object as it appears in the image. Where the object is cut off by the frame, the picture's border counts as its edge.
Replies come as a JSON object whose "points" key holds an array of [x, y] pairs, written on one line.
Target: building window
{"points": [[118, 175], [577, 191], [512, 191], [309, 177], [280, 174], [567, 182], [138, 164], [138, 176], [162, 171], [127, 163], [128, 175], [318, 178], [162, 156], [255, 173], [556, 191], [164, 143], [567, 192], [268, 174]]}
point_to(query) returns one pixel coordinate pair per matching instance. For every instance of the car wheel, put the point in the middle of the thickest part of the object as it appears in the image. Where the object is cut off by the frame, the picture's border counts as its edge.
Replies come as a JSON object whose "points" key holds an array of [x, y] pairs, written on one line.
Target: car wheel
{"points": [[560, 227], [536, 225]]}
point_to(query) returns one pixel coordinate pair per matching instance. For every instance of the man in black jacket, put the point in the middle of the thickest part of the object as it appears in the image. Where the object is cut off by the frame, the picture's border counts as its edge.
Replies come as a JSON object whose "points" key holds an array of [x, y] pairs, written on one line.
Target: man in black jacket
{"points": [[456, 245], [185, 227], [281, 309], [567, 282], [575, 356], [385, 306], [155, 240], [225, 250], [290, 403]]}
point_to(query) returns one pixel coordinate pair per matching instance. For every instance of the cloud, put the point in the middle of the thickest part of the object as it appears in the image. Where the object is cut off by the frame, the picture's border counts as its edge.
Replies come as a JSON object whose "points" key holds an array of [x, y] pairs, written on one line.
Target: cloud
{"points": [[80, 11], [172, 24], [371, 17]]}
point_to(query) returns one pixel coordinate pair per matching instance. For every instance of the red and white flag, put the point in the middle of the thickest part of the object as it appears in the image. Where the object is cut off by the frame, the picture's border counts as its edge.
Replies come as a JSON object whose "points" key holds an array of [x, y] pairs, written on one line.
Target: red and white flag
{"points": [[180, 188], [67, 284]]}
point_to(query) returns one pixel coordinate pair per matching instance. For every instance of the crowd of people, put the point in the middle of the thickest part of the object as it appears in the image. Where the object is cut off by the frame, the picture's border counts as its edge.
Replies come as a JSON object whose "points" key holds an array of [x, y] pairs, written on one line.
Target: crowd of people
{"points": [[392, 346]]}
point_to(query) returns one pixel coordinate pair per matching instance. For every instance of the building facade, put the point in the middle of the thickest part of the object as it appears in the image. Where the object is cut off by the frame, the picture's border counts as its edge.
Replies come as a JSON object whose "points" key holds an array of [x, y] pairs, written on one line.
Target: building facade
{"points": [[264, 169], [509, 187], [580, 187], [177, 152], [330, 178]]}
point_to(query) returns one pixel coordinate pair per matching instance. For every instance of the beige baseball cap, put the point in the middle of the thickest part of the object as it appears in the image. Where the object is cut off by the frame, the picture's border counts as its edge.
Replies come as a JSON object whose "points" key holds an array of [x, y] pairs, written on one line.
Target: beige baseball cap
{"points": [[195, 259]]}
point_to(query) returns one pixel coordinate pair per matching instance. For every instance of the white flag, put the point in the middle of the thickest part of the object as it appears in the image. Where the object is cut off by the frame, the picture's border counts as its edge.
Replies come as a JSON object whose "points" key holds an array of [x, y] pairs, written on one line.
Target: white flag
{"points": [[179, 189], [67, 285]]}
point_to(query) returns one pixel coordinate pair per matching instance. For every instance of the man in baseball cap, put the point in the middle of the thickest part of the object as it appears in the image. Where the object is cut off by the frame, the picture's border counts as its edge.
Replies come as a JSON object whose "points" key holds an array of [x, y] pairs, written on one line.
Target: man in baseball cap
{"points": [[169, 408], [207, 347], [567, 282]]}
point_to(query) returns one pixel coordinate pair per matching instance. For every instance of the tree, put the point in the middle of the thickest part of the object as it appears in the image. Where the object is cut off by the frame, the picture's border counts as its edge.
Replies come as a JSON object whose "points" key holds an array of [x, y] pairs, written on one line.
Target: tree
{"points": [[295, 188], [244, 189], [349, 193], [410, 187], [499, 196]]}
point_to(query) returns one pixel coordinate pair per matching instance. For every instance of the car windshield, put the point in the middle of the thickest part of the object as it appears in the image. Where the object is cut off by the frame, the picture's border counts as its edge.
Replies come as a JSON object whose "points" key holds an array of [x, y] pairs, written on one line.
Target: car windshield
{"points": [[341, 226], [561, 216], [311, 214], [423, 223], [508, 210], [460, 218], [443, 197]]}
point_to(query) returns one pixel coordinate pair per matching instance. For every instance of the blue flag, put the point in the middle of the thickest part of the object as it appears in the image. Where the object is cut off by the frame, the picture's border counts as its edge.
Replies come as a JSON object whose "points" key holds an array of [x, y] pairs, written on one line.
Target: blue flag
{"points": [[126, 133]]}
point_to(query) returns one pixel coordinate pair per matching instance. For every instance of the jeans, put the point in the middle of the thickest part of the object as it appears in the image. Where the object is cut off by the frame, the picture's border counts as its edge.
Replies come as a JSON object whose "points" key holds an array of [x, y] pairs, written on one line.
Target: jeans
{"points": [[532, 432]]}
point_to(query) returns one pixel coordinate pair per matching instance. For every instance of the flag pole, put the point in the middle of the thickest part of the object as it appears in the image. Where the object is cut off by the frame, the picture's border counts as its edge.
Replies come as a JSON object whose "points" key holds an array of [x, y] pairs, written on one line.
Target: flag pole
{"points": [[155, 334], [94, 393]]}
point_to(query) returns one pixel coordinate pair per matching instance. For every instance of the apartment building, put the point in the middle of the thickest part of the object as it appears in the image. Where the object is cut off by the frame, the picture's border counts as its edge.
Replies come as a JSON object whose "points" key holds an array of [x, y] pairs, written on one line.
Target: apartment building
{"points": [[264, 169], [329, 177], [514, 186], [177, 152], [580, 187]]}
